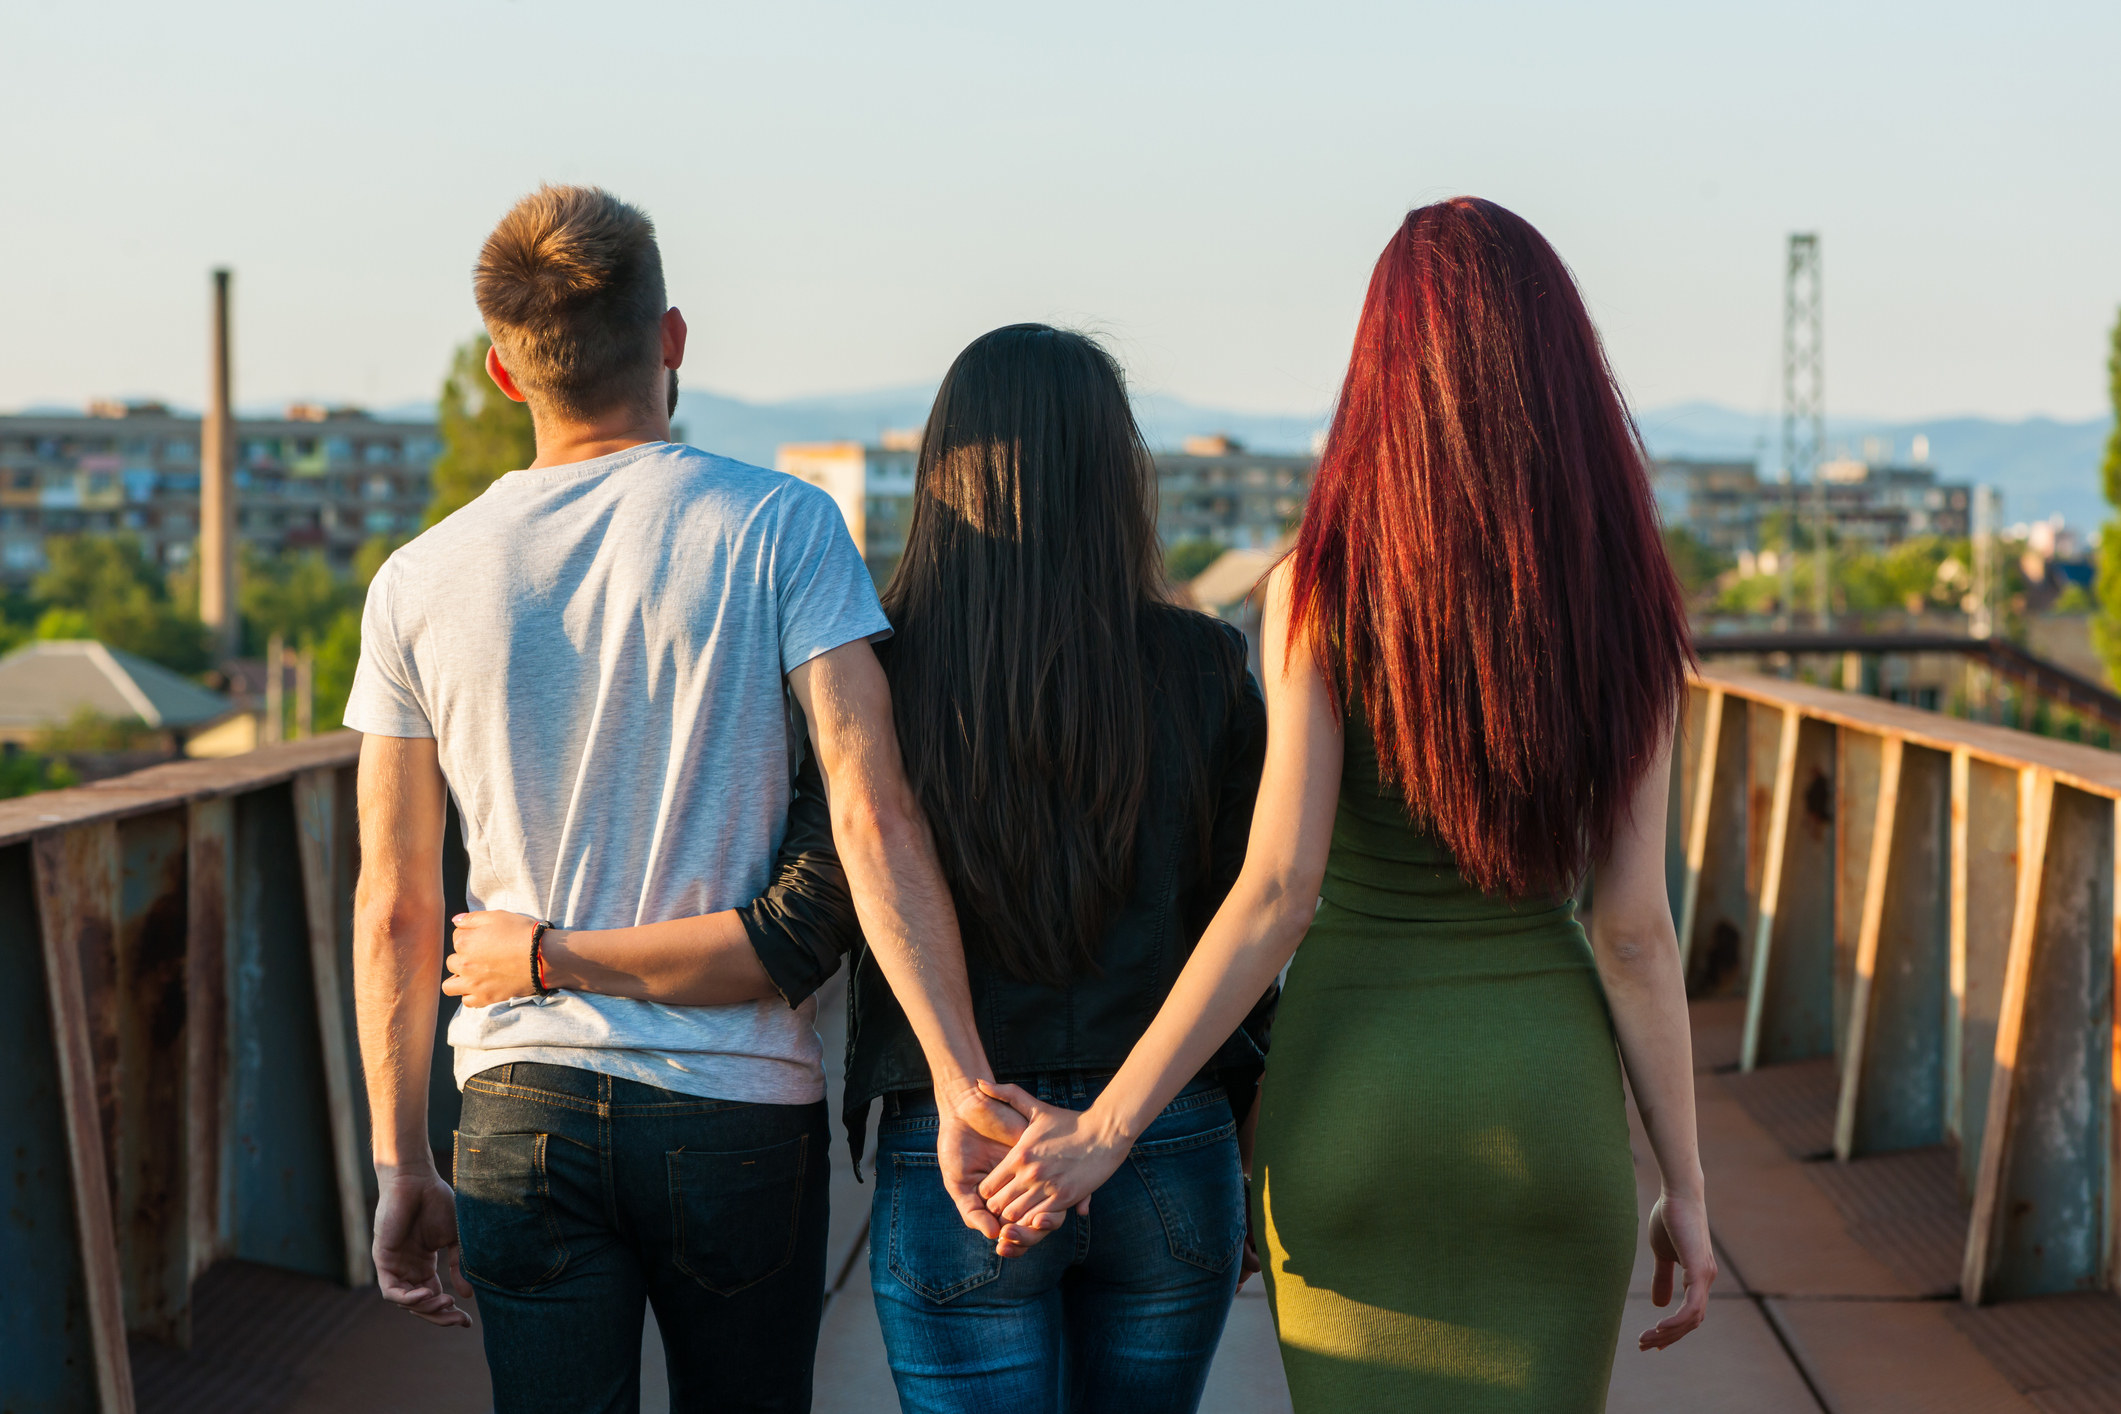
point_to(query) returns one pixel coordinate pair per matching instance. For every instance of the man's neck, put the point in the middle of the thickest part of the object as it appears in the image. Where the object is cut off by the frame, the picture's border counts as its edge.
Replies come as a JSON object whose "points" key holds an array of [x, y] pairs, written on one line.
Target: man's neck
{"points": [[562, 442]]}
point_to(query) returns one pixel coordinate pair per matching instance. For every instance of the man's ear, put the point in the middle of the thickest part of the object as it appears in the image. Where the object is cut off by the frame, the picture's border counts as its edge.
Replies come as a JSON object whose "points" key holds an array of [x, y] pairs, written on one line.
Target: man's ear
{"points": [[673, 338], [501, 377]]}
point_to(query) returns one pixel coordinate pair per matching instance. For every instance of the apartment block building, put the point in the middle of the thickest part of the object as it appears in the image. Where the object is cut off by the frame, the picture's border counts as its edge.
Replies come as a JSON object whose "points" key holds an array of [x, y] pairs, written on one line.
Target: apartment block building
{"points": [[873, 486], [316, 478], [1876, 504], [1869, 505], [1214, 489]]}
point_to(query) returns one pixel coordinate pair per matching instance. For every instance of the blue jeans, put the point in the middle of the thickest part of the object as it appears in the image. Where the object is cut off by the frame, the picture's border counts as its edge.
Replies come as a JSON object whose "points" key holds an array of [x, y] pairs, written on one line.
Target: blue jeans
{"points": [[1116, 1312], [579, 1196]]}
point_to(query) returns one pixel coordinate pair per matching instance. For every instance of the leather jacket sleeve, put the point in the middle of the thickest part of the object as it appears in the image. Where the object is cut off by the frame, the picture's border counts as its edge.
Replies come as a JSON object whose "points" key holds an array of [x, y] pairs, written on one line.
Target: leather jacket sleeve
{"points": [[805, 921]]}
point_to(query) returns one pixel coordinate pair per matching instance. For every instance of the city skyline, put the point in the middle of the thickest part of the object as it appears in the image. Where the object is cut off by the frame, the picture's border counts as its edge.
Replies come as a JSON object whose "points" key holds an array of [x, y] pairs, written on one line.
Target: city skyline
{"points": [[847, 198]]}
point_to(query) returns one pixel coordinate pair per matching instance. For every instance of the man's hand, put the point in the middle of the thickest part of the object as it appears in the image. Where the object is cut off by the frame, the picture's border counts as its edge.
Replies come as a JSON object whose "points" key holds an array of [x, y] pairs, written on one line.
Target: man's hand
{"points": [[491, 960], [973, 1137], [417, 1262]]}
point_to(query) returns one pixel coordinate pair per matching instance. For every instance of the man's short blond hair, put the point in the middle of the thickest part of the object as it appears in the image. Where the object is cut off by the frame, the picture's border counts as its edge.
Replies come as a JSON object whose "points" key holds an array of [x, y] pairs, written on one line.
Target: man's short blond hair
{"points": [[570, 285]]}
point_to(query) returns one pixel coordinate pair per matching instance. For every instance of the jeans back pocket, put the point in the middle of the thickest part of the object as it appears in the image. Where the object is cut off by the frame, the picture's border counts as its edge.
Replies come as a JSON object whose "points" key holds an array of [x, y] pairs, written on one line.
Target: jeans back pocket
{"points": [[932, 1251], [505, 1223], [737, 1215], [1198, 1188]]}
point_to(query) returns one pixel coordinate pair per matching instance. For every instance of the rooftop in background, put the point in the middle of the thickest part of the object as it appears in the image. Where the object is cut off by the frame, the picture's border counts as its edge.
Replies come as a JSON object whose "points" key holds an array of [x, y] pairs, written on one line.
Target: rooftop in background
{"points": [[1224, 586], [47, 683], [316, 477]]}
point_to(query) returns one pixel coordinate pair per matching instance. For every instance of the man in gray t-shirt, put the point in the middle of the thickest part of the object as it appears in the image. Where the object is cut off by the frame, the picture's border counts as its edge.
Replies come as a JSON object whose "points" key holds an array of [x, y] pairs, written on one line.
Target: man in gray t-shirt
{"points": [[598, 650], [590, 660]]}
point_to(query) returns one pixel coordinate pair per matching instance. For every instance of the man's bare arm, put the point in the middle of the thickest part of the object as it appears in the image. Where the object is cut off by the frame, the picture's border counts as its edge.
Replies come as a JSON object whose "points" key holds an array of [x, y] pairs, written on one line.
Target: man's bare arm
{"points": [[397, 980], [907, 917], [884, 845]]}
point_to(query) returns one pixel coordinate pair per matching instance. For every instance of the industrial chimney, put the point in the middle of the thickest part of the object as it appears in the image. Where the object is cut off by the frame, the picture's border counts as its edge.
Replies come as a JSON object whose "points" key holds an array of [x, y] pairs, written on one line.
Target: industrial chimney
{"points": [[217, 492]]}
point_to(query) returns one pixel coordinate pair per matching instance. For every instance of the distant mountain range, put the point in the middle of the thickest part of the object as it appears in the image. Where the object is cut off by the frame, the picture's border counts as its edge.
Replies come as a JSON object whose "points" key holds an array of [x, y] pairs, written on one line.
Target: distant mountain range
{"points": [[751, 431], [2043, 466]]}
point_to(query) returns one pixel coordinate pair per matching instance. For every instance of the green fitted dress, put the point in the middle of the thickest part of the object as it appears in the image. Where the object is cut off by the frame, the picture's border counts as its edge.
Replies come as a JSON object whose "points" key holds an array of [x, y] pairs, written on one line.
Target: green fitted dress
{"points": [[1446, 1199]]}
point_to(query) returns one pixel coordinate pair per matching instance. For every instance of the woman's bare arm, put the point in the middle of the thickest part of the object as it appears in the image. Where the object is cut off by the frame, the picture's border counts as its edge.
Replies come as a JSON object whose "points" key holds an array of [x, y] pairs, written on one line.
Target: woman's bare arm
{"points": [[1063, 1155], [702, 961], [1638, 961]]}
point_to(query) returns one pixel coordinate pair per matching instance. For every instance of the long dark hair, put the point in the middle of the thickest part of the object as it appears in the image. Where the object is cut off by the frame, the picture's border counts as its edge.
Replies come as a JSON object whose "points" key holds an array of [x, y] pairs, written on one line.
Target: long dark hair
{"points": [[1480, 562], [1031, 635]]}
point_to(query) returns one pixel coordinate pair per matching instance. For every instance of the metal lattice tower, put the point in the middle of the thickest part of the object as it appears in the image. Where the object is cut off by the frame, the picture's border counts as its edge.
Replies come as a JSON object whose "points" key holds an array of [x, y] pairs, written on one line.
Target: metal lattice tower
{"points": [[1804, 417], [1980, 603]]}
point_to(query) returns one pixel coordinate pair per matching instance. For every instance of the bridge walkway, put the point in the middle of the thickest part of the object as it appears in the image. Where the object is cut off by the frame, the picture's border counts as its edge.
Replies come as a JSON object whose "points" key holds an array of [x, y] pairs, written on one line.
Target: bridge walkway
{"points": [[1836, 1297]]}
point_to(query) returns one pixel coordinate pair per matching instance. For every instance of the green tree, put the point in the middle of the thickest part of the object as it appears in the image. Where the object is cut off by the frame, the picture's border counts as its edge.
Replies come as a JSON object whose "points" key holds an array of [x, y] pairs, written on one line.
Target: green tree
{"points": [[106, 588], [27, 772], [89, 730], [298, 597], [338, 653], [62, 623], [2106, 624], [368, 560], [293, 594], [1922, 574], [484, 433], [18, 618], [1185, 560], [1697, 563]]}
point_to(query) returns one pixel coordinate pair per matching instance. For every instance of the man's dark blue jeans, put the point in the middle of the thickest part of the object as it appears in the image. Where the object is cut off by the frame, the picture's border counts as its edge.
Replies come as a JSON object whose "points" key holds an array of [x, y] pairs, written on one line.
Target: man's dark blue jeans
{"points": [[1118, 1312], [580, 1195]]}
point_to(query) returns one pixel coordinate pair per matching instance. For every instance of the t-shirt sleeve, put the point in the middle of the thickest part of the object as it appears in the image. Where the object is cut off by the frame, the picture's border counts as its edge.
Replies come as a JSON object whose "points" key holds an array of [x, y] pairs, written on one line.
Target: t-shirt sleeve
{"points": [[385, 698], [823, 589]]}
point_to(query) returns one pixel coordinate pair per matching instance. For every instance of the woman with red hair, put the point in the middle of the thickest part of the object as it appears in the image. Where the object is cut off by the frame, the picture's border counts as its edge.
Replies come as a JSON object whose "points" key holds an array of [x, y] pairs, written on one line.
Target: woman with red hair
{"points": [[1474, 660]]}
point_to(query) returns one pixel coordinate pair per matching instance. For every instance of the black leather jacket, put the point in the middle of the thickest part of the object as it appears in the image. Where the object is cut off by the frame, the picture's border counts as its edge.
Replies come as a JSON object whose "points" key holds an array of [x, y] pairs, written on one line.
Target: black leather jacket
{"points": [[805, 922]]}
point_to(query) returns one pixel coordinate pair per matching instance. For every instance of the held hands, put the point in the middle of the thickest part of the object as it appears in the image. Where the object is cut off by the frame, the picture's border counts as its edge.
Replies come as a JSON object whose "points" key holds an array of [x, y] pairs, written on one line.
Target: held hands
{"points": [[1060, 1159], [975, 1134], [1679, 1235], [490, 961]]}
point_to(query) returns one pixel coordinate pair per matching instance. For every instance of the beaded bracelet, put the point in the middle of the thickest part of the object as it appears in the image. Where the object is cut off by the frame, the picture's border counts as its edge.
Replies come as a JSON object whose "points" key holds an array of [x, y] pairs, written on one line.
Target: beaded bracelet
{"points": [[537, 959]]}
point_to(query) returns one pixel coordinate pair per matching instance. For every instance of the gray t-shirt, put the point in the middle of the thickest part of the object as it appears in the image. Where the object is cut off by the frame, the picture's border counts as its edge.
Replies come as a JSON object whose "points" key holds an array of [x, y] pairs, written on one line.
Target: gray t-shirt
{"points": [[598, 650]]}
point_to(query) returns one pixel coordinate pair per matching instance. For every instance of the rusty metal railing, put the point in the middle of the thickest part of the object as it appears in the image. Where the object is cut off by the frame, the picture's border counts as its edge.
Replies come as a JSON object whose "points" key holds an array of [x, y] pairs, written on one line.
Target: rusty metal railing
{"points": [[176, 1032], [1932, 903]]}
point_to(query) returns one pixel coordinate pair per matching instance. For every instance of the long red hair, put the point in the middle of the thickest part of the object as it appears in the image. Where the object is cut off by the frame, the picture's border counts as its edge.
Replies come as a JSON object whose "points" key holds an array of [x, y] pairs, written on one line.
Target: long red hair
{"points": [[1480, 564]]}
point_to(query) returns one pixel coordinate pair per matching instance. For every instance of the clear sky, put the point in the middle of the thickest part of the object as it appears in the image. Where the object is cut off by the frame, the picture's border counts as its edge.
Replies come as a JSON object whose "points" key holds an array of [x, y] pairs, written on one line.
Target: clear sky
{"points": [[847, 193]]}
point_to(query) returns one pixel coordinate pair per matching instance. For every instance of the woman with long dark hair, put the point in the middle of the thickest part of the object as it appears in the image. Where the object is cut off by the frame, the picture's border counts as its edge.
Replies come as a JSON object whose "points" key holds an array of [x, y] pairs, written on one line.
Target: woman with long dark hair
{"points": [[1474, 661], [1086, 754]]}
